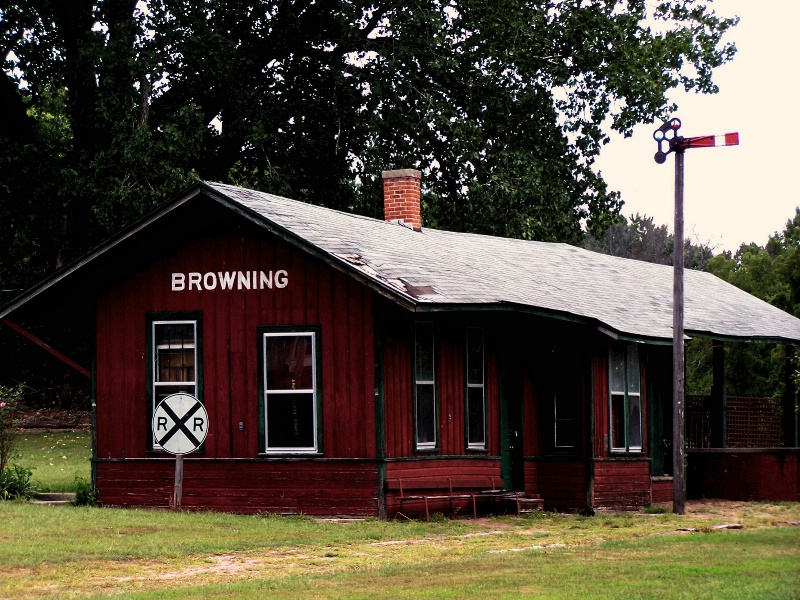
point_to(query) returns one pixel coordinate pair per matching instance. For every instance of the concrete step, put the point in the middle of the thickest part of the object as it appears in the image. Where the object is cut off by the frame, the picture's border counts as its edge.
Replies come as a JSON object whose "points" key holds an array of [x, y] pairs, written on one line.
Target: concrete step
{"points": [[53, 498]]}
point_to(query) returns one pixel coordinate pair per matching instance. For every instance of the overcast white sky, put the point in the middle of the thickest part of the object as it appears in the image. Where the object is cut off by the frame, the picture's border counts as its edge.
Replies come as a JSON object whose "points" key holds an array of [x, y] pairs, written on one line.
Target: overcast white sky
{"points": [[736, 194]]}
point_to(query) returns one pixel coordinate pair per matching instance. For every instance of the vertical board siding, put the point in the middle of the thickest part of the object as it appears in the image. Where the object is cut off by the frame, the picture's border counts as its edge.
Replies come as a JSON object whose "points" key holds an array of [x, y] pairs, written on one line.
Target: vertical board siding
{"points": [[601, 400], [317, 295], [244, 486]]}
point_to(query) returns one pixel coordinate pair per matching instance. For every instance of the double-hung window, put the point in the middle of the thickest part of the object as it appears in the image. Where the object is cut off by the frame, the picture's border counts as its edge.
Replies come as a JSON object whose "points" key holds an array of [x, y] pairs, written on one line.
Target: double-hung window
{"points": [[174, 355], [424, 387], [290, 395], [476, 394], [626, 398]]}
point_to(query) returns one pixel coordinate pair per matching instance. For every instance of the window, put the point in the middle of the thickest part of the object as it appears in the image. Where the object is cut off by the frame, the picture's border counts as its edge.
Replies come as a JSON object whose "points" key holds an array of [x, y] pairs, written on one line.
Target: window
{"points": [[476, 396], [566, 408], [561, 387], [290, 393], [424, 386], [626, 400], [175, 365]]}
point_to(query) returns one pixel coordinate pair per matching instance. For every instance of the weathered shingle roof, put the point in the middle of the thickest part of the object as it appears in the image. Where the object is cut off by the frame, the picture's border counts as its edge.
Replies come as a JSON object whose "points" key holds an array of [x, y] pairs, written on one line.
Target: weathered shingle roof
{"points": [[433, 269]]}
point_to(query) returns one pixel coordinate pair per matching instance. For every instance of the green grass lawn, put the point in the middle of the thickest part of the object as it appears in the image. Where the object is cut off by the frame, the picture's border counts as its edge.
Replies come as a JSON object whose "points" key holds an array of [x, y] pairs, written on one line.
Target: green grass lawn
{"points": [[79, 552], [56, 457]]}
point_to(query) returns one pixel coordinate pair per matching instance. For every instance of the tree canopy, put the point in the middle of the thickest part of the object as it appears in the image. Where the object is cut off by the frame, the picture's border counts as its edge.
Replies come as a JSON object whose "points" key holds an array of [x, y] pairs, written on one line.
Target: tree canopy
{"points": [[108, 106]]}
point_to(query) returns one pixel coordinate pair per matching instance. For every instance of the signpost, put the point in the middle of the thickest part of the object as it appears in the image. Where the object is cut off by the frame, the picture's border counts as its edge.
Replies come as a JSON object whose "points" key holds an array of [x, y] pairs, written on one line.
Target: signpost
{"points": [[668, 134], [180, 425]]}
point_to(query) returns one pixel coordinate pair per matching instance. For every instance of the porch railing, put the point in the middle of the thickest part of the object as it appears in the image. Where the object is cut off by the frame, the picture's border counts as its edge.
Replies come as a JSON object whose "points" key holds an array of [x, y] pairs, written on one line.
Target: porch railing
{"points": [[749, 422]]}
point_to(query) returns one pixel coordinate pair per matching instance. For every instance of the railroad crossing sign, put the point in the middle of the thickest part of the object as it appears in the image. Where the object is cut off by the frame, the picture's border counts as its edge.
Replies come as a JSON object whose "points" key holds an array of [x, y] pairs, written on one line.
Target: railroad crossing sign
{"points": [[180, 424]]}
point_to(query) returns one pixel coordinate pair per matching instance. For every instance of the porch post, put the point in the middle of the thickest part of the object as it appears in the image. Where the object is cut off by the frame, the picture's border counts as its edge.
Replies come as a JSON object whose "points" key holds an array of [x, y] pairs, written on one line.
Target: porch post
{"points": [[790, 433], [719, 398]]}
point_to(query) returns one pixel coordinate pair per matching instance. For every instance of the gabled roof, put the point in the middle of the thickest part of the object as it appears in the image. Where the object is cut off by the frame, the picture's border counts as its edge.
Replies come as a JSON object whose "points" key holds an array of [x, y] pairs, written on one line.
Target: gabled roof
{"points": [[433, 270]]}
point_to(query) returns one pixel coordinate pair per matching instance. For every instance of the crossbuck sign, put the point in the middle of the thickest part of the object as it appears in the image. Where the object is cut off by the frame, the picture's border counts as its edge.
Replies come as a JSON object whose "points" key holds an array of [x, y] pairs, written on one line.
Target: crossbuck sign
{"points": [[180, 424]]}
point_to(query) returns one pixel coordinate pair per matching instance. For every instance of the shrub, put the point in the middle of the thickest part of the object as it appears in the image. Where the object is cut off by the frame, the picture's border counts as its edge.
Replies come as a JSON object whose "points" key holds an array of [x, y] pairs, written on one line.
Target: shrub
{"points": [[16, 483], [9, 400], [85, 494]]}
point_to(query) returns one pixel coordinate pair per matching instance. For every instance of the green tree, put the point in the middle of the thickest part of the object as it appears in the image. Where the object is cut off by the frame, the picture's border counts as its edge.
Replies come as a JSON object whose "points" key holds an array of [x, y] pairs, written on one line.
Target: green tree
{"points": [[107, 106], [772, 273], [641, 239]]}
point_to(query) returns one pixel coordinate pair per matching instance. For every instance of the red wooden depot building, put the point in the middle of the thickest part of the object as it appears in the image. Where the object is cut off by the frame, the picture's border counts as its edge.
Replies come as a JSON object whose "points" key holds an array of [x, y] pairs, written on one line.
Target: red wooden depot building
{"points": [[356, 366]]}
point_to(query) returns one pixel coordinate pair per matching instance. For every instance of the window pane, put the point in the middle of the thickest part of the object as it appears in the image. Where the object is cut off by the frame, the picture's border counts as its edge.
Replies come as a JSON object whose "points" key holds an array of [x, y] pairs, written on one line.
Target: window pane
{"points": [[162, 391], [426, 414], [289, 362], [618, 421], [635, 422], [566, 434], [179, 334], [616, 371], [475, 356], [475, 405], [290, 421], [175, 364], [174, 352], [424, 352], [566, 410], [633, 369]]}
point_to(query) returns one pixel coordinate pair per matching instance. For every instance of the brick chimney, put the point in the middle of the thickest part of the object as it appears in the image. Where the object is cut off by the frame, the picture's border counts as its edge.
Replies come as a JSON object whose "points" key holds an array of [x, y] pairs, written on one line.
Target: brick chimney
{"points": [[401, 197]]}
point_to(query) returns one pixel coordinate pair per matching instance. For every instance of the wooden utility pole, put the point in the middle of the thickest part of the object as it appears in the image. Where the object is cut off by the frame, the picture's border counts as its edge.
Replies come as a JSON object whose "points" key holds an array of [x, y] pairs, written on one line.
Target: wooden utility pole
{"points": [[678, 455], [668, 134]]}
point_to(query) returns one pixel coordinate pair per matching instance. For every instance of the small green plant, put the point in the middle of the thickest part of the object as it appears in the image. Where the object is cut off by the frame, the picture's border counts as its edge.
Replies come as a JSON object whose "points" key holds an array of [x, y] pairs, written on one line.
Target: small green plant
{"points": [[9, 401], [85, 494], [652, 509], [16, 483]]}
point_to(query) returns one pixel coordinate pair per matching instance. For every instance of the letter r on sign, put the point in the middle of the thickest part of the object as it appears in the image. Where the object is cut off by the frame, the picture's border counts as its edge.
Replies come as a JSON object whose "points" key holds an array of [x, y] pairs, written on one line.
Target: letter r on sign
{"points": [[161, 424], [198, 424]]}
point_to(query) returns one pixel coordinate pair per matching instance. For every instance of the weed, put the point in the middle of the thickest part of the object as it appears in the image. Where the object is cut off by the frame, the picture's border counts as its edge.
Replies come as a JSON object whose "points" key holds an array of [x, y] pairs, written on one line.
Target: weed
{"points": [[85, 494], [16, 483]]}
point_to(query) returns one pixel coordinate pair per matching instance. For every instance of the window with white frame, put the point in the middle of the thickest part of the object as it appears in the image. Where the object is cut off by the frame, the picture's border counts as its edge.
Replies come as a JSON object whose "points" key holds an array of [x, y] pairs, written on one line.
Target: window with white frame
{"points": [[476, 394], [424, 386], [175, 364], [290, 395], [625, 398]]}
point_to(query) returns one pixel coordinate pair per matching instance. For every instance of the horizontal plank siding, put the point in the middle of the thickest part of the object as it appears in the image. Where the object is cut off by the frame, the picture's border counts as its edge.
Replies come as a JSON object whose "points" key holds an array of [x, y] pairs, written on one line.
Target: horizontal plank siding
{"points": [[622, 484], [744, 474], [562, 484], [472, 476], [242, 486]]}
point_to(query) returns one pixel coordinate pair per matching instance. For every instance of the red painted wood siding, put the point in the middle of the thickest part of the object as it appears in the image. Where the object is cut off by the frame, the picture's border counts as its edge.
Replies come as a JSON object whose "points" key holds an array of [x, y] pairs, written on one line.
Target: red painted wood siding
{"points": [[744, 474], [662, 491], [316, 295], [450, 342], [621, 484], [437, 472], [244, 486], [562, 484]]}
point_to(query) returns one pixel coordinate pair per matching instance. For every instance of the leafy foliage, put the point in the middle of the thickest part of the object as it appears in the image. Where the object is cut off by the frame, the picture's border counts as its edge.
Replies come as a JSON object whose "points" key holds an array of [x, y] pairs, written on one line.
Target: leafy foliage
{"points": [[108, 106], [9, 399], [772, 273], [641, 239], [16, 483]]}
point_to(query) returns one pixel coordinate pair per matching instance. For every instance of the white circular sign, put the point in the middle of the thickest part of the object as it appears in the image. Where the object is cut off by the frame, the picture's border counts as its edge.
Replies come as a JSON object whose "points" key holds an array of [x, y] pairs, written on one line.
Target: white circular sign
{"points": [[180, 423]]}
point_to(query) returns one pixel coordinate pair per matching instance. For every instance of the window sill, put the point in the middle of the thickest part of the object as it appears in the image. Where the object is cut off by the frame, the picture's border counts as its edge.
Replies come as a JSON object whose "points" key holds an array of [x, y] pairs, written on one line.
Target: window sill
{"points": [[290, 454]]}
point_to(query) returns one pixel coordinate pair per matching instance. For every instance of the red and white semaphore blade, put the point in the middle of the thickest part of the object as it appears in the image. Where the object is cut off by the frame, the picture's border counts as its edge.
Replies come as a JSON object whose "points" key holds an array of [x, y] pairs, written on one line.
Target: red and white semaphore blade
{"points": [[710, 141]]}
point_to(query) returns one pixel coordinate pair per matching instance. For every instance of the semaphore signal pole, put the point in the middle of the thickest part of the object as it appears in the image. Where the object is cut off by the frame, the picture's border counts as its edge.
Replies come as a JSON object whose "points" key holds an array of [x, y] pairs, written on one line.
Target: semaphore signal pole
{"points": [[668, 134]]}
